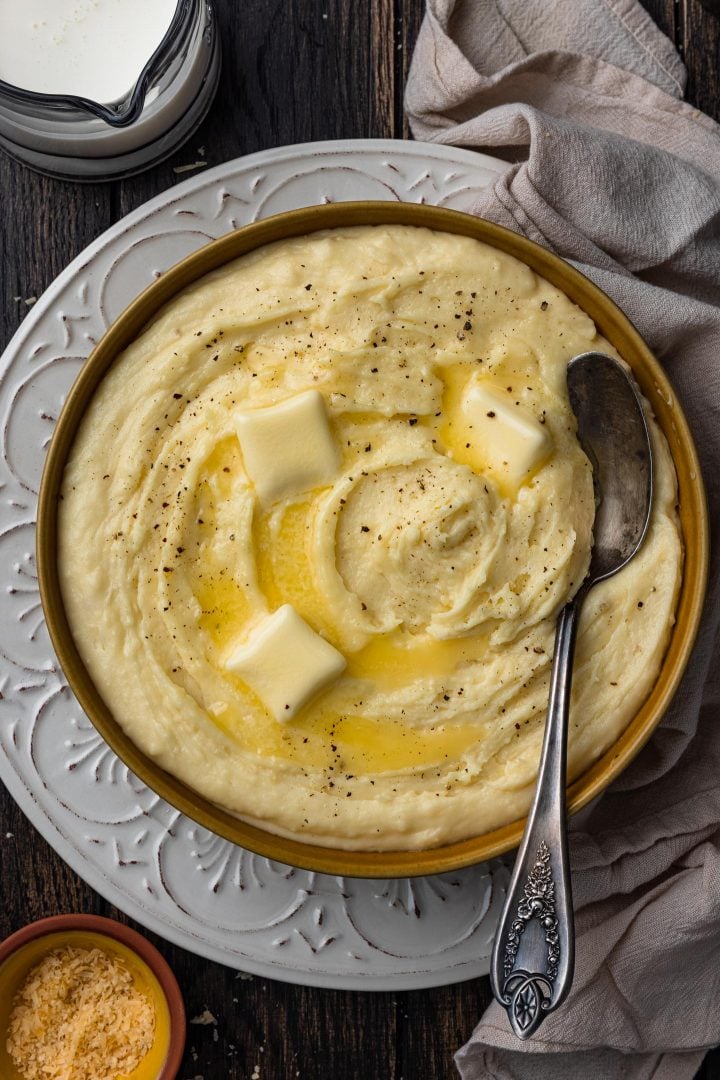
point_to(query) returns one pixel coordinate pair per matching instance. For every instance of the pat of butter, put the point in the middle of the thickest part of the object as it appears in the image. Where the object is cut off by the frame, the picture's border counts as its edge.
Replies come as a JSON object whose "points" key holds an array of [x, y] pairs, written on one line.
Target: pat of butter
{"points": [[511, 440], [288, 448], [285, 662]]}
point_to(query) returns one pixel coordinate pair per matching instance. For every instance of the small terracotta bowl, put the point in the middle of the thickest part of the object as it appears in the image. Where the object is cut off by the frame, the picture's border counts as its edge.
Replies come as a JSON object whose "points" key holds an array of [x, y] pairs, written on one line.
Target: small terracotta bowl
{"points": [[611, 323], [27, 947]]}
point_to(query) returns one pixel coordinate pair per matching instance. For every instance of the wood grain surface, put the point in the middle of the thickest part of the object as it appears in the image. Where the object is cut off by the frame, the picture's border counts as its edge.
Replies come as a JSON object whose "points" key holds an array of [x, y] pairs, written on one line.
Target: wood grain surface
{"points": [[292, 71]]}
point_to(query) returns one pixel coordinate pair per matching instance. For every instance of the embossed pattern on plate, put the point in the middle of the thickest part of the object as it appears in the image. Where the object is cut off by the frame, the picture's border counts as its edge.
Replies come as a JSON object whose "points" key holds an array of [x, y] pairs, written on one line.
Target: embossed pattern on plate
{"points": [[156, 865]]}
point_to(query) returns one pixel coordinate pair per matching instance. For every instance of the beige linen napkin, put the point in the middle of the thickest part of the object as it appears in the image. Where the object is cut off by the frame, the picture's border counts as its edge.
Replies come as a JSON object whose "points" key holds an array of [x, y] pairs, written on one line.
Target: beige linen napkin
{"points": [[616, 173]]}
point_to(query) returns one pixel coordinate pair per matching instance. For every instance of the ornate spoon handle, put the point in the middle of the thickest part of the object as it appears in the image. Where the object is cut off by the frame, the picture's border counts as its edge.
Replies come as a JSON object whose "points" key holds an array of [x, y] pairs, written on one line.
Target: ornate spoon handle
{"points": [[534, 951]]}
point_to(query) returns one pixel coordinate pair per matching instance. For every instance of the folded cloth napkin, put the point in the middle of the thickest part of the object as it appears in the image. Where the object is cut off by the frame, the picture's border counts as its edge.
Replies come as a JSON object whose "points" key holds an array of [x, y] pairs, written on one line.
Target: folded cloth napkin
{"points": [[615, 172]]}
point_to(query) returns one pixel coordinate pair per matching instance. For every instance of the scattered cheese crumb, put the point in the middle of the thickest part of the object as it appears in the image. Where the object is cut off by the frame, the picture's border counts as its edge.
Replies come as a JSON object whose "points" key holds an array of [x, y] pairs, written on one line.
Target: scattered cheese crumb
{"points": [[189, 168], [79, 1016], [30, 300], [205, 1017]]}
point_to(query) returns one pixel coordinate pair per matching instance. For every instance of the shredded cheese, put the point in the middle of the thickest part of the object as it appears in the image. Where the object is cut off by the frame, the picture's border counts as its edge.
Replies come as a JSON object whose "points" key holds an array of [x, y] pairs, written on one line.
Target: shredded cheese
{"points": [[79, 1016]]}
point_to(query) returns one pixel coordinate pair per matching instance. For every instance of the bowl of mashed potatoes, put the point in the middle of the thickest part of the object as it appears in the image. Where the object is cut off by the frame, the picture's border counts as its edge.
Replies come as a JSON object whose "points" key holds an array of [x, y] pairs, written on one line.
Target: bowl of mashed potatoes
{"points": [[309, 515]]}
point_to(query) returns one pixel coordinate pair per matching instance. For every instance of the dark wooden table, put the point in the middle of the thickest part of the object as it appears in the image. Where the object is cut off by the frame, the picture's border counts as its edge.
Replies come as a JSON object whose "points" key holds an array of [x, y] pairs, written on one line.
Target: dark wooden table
{"points": [[292, 71]]}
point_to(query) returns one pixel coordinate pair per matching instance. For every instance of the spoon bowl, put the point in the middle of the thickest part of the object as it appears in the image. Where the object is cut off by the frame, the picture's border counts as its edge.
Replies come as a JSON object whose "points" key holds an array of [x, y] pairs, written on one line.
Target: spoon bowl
{"points": [[613, 432], [534, 951]]}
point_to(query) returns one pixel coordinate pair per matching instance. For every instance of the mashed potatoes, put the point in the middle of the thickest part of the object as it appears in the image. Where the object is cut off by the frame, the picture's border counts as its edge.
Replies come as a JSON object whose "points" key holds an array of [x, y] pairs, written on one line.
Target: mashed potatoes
{"points": [[316, 528]]}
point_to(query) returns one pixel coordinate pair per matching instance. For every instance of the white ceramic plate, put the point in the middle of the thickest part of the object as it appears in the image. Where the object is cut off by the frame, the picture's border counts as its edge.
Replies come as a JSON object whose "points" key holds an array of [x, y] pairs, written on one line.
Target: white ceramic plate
{"points": [[156, 865]]}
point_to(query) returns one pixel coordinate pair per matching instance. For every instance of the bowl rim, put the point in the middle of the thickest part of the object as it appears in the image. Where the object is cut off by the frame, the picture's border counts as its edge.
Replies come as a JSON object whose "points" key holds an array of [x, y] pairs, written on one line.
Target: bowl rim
{"points": [[611, 322], [144, 949]]}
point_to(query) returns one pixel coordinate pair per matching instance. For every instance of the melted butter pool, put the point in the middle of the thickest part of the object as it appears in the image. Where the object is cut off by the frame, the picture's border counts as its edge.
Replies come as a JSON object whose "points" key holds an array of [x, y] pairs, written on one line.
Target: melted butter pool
{"points": [[321, 736]]}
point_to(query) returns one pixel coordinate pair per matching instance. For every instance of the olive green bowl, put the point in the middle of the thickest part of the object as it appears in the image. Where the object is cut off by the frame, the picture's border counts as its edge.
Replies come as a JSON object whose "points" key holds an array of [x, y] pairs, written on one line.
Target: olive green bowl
{"points": [[611, 323]]}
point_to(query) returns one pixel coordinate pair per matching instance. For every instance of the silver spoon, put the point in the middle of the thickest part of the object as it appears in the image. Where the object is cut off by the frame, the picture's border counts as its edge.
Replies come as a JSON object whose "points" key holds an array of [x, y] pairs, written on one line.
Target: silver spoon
{"points": [[534, 950]]}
